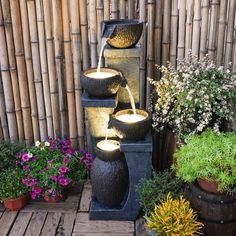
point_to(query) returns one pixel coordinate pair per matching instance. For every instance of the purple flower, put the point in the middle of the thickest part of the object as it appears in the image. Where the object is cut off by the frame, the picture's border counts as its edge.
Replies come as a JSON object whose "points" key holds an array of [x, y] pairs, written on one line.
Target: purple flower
{"points": [[89, 156], [63, 169], [26, 168], [89, 165], [53, 177], [25, 157], [64, 182], [37, 190]]}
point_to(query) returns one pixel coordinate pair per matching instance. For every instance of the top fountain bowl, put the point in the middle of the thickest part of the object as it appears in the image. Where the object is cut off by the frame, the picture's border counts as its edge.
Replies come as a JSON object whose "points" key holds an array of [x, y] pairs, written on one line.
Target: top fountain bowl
{"points": [[132, 131], [106, 85], [122, 33]]}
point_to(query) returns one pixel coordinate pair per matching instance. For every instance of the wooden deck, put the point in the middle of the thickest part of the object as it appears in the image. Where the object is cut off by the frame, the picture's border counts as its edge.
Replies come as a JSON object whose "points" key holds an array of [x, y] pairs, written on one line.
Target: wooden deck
{"points": [[65, 218]]}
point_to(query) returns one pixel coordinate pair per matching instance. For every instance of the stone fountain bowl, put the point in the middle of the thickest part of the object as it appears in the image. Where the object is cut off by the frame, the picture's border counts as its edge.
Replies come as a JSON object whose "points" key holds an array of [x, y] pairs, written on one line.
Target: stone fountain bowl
{"points": [[104, 87], [108, 155], [122, 33], [133, 131]]}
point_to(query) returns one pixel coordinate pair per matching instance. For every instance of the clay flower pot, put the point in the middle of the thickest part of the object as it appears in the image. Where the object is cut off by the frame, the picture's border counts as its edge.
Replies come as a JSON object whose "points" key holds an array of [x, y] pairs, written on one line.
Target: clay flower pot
{"points": [[53, 198], [102, 87], [122, 33], [133, 131], [15, 204], [210, 187]]}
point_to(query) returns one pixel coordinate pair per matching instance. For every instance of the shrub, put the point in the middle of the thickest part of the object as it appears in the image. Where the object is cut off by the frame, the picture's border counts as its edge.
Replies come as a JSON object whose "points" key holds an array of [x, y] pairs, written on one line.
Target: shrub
{"points": [[174, 217], [152, 191]]}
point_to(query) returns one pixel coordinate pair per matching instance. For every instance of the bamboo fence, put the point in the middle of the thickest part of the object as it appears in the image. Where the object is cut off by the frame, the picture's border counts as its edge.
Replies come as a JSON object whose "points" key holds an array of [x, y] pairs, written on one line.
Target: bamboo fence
{"points": [[45, 46]]}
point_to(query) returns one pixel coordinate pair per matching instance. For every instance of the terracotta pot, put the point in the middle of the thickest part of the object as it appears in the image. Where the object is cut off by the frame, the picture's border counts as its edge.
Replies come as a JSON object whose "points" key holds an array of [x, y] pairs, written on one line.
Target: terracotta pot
{"points": [[15, 204], [48, 197], [210, 187]]}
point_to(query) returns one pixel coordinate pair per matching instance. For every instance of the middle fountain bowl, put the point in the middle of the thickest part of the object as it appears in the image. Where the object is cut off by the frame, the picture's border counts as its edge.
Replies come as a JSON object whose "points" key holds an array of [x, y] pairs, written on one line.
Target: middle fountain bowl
{"points": [[103, 84], [130, 130]]}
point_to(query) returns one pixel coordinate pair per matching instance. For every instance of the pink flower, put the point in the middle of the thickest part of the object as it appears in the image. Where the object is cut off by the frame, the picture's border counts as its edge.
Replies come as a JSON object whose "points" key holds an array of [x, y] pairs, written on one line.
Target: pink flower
{"points": [[50, 161], [63, 169], [37, 190], [53, 177], [24, 181], [89, 165], [25, 157], [66, 160], [33, 182], [69, 151], [89, 156], [64, 182], [26, 167], [33, 195]]}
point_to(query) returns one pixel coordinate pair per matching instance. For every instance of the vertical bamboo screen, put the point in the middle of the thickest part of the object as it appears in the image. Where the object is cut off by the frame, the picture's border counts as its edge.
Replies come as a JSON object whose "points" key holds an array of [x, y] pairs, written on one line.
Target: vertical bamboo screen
{"points": [[45, 45]]}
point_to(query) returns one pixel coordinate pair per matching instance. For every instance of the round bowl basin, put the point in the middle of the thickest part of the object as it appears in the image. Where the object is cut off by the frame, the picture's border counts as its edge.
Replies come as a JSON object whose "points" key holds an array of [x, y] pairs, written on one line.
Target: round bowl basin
{"points": [[126, 127], [103, 84], [122, 33]]}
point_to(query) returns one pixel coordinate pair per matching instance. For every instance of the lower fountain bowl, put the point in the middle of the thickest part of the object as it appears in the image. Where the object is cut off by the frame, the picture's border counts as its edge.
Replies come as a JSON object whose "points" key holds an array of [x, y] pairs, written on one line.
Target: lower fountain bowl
{"points": [[133, 131], [102, 87]]}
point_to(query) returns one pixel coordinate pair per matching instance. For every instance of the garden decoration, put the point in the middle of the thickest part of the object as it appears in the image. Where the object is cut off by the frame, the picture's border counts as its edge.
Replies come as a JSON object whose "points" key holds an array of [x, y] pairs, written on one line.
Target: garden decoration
{"points": [[13, 193], [174, 217], [195, 96], [210, 157], [119, 164], [50, 166]]}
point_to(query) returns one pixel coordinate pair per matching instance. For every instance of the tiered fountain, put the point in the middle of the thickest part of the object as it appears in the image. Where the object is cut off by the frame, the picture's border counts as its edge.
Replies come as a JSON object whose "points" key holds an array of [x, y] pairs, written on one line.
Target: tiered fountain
{"points": [[120, 139]]}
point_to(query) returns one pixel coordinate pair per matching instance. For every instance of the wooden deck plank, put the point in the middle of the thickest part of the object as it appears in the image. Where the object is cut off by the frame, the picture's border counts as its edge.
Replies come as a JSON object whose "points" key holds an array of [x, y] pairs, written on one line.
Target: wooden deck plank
{"points": [[66, 224], [86, 197], [2, 208], [140, 229], [51, 224], [36, 224], [102, 234], [20, 224], [6, 222], [84, 225]]}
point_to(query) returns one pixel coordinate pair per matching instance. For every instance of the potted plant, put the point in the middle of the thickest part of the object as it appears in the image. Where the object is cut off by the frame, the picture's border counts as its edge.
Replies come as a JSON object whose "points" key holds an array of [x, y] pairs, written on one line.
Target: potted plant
{"points": [[195, 96], [208, 157], [50, 166], [13, 193], [174, 217], [8, 152], [152, 191]]}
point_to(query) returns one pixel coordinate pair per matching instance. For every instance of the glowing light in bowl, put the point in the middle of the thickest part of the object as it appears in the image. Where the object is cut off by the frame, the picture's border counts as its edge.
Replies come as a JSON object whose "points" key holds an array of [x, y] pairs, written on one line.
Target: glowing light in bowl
{"points": [[108, 145], [130, 118], [100, 75]]}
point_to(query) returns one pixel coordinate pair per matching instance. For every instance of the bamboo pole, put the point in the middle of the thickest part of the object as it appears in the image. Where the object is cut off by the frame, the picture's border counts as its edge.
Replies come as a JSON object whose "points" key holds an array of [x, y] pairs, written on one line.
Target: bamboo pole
{"points": [[181, 29], [29, 69], [114, 9], [122, 9], [213, 28], [84, 33], [166, 31], [229, 35], [174, 32], [51, 67], [93, 32], [44, 67], [131, 9], [37, 69], [6, 81], [70, 89], [57, 26], [76, 47], [3, 118], [204, 27], [221, 33], [22, 75], [150, 47], [100, 15], [196, 27], [189, 28], [106, 4], [12, 67], [142, 87]]}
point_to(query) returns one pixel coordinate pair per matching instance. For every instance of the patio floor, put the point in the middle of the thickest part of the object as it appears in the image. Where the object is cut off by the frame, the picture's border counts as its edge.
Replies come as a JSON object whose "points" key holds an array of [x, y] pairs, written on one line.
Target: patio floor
{"points": [[65, 218]]}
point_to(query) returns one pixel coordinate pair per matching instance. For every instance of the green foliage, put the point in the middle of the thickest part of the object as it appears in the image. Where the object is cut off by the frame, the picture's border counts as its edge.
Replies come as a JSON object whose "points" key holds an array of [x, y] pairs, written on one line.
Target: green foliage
{"points": [[10, 184], [210, 156], [152, 191], [8, 152], [174, 217]]}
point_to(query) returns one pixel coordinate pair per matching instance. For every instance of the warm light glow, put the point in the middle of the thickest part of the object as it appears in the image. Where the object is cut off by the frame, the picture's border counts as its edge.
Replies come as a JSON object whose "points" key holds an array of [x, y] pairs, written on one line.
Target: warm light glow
{"points": [[100, 75], [108, 145], [130, 118]]}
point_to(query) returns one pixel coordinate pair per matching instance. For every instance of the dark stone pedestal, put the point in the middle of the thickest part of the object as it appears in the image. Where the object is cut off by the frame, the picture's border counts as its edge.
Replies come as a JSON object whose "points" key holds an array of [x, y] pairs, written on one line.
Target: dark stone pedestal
{"points": [[138, 155]]}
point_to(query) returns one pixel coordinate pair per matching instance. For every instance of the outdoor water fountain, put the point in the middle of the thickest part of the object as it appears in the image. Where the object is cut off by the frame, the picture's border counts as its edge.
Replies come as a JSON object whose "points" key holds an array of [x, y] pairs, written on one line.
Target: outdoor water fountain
{"points": [[119, 164]]}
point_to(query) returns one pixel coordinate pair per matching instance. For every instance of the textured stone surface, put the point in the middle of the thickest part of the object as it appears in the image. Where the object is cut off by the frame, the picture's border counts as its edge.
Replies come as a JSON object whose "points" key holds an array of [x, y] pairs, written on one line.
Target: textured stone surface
{"points": [[127, 61], [109, 181]]}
